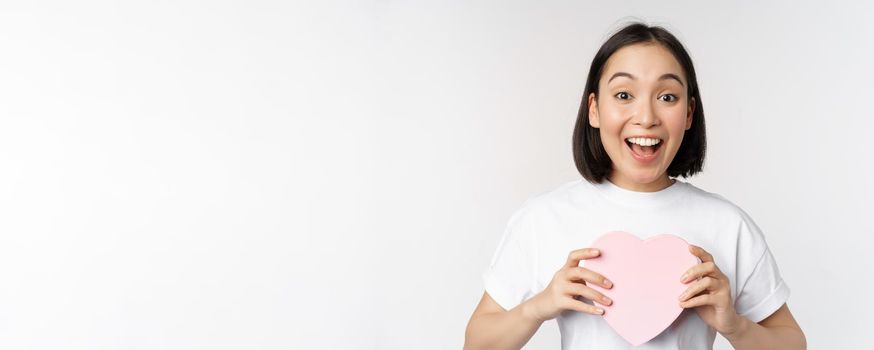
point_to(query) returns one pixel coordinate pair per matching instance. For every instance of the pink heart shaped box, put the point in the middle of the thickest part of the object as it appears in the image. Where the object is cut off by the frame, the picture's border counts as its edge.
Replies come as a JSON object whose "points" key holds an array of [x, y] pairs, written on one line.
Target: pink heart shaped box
{"points": [[646, 281]]}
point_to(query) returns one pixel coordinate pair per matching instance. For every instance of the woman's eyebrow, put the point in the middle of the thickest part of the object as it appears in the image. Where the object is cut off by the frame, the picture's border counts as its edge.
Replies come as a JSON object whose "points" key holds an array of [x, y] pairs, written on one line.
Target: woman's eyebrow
{"points": [[663, 77]]}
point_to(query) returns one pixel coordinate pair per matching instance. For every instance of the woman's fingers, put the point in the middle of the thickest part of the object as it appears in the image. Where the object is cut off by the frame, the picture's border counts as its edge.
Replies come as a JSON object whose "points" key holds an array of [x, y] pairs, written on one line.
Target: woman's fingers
{"points": [[562, 291], [589, 293], [580, 306], [582, 273], [706, 283], [706, 267], [573, 259], [700, 253], [565, 291], [700, 270], [703, 299]]}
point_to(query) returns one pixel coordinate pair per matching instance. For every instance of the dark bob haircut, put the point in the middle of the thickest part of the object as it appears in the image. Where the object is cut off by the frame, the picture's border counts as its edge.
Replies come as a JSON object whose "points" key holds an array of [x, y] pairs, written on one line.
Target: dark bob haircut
{"points": [[591, 158]]}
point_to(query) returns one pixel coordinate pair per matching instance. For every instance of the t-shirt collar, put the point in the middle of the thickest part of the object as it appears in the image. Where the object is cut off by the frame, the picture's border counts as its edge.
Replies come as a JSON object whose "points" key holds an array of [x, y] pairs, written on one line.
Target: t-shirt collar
{"points": [[640, 199]]}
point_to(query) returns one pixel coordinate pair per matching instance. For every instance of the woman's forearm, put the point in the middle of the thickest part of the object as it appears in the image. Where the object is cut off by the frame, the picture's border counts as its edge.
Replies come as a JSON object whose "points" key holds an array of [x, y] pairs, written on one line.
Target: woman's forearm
{"points": [[501, 330], [752, 336]]}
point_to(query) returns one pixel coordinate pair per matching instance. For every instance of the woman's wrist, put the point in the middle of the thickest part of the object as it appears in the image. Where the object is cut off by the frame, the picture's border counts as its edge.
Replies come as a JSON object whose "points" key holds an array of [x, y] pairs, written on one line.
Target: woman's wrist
{"points": [[528, 310], [743, 326]]}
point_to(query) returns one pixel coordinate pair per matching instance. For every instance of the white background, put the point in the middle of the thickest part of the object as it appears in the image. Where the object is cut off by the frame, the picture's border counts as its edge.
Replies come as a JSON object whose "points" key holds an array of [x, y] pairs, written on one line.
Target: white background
{"points": [[333, 175]]}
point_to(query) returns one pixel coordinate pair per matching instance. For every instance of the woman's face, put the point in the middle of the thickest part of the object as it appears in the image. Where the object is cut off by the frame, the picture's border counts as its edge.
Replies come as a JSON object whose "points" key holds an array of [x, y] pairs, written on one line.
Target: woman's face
{"points": [[642, 94]]}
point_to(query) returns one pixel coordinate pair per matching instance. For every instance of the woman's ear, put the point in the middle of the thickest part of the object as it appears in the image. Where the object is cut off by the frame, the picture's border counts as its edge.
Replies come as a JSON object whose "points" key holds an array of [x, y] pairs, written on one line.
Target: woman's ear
{"points": [[594, 121], [690, 113]]}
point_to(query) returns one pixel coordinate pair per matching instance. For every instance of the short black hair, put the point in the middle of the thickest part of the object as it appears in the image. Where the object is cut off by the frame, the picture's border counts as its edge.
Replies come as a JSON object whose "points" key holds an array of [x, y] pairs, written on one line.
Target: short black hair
{"points": [[591, 158]]}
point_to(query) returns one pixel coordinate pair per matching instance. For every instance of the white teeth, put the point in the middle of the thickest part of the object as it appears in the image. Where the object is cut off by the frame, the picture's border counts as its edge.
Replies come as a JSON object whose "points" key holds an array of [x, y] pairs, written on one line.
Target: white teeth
{"points": [[643, 141]]}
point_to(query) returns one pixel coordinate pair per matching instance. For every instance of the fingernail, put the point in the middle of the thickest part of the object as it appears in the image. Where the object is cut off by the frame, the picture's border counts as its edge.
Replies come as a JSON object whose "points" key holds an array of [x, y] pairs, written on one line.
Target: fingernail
{"points": [[606, 299], [600, 311], [608, 283]]}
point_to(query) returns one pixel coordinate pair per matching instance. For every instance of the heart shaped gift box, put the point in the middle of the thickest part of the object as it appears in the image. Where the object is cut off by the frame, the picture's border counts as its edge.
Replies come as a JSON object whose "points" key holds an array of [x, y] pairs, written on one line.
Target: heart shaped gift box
{"points": [[646, 281]]}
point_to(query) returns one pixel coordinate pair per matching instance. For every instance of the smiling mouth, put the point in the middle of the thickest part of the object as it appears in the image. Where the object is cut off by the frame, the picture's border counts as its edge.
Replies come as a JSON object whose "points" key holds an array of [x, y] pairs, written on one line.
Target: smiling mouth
{"points": [[643, 152]]}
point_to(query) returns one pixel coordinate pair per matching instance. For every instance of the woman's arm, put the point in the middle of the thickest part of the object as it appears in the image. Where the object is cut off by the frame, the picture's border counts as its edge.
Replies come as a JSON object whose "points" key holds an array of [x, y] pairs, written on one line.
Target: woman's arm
{"points": [[492, 327], [710, 295], [778, 331]]}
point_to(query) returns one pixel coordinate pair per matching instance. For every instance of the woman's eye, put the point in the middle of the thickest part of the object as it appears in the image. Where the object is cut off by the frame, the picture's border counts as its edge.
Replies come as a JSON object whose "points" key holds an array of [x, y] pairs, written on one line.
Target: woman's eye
{"points": [[672, 98], [622, 95]]}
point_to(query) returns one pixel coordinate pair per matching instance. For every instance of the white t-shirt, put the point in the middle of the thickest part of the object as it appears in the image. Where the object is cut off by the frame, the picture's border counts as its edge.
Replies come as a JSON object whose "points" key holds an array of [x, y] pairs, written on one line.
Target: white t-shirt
{"points": [[548, 226]]}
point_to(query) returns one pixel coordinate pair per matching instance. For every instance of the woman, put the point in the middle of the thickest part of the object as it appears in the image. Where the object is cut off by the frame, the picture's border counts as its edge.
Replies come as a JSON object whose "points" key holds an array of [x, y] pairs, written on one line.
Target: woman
{"points": [[640, 125]]}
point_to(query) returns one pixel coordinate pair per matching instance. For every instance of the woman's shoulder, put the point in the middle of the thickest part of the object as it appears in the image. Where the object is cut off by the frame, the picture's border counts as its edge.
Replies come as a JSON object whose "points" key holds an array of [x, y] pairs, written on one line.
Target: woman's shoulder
{"points": [[558, 194], [547, 200], [715, 203]]}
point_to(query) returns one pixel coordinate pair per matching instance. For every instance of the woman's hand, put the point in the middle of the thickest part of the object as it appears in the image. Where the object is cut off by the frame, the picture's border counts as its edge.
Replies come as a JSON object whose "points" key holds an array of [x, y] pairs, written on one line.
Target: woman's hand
{"points": [[710, 294], [567, 283]]}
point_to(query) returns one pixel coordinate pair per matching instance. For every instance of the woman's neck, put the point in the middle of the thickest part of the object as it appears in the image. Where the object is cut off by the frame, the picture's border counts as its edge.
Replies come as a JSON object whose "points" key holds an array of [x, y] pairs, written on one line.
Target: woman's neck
{"points": [[661, 183]]}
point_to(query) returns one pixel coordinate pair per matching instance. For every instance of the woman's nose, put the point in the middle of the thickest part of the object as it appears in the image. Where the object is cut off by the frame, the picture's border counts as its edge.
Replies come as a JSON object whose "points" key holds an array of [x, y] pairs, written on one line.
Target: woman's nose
{"points": [[645, 115]]}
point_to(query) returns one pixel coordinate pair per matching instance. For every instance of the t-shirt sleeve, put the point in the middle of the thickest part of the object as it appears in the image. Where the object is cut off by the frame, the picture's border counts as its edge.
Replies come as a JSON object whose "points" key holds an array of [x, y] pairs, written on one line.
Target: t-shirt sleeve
{"points": [[761, 289], [509, 278]]}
